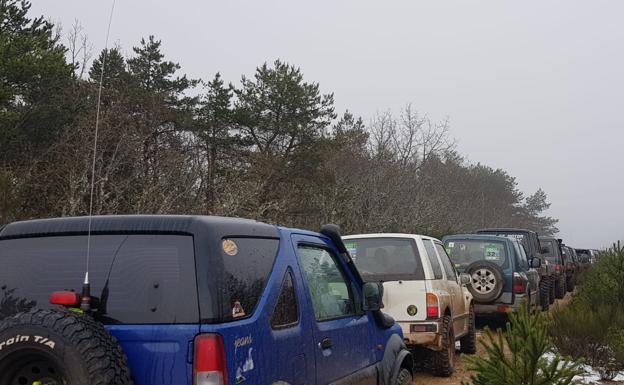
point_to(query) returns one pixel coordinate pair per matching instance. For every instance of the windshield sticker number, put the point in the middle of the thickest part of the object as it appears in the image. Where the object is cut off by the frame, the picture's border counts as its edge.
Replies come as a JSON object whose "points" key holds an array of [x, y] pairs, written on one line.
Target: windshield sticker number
{"points": [[492, 253]]}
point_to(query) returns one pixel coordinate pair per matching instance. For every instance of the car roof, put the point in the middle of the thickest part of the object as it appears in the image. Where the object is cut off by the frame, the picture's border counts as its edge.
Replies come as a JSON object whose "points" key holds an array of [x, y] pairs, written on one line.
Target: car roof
{"points": [[485, 237], [389, 235], [507, 229], [167, 224]]}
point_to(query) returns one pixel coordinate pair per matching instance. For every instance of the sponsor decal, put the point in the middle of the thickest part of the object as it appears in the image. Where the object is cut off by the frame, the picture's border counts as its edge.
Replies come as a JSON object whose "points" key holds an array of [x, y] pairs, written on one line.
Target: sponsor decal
{"points": [[229, 247], [243, 341]]}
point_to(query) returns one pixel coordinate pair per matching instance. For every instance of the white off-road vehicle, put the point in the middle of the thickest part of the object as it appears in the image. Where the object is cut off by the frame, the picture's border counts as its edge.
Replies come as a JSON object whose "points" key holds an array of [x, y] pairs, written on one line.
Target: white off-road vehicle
{"points": [[422, 292]]}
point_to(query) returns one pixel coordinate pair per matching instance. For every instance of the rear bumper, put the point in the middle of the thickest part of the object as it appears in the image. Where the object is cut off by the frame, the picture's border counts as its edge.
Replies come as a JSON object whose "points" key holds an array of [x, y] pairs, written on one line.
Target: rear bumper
{"points": [[424, 334], [500, 307]]}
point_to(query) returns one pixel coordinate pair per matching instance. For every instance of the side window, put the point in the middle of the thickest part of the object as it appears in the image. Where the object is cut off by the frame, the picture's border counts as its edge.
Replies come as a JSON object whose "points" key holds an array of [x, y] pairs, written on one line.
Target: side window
{"points": [[451, 275], [433, 260], [329, 290], [247, 263], [522, 258], [286, 312]]}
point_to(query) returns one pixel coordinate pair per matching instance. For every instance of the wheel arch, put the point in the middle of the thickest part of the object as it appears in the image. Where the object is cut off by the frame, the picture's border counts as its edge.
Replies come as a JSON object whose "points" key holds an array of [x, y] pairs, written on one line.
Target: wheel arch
{"points": [[396, 357]]}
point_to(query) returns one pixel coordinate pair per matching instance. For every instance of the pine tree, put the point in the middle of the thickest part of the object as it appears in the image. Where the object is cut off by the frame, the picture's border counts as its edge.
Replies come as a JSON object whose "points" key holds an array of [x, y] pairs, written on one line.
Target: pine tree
{"points": [[518, 356], [115, 74], [217, 139], [280, 112], [33, 78]]}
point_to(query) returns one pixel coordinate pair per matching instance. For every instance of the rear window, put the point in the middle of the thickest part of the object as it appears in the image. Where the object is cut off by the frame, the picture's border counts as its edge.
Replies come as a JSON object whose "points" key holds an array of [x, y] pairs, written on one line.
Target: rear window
{"points": [[465, 252], [386, 259], [551, 253], [521, 236], [140, 279]]}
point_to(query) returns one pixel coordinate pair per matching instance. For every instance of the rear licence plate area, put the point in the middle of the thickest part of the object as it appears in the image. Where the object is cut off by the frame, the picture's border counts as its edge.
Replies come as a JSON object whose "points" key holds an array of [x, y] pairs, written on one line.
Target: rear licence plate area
{"points": [[423, 328]]}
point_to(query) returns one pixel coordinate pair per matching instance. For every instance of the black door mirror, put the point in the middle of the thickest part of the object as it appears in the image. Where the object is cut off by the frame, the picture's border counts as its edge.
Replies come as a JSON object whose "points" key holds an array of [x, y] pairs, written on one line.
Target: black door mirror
{"points": [[373, 294], [536, 263]]}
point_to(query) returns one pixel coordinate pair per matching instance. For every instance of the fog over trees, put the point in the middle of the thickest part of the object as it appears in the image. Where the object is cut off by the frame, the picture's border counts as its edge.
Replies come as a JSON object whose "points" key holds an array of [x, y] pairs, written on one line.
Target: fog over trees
{"points": [[270, 147]]}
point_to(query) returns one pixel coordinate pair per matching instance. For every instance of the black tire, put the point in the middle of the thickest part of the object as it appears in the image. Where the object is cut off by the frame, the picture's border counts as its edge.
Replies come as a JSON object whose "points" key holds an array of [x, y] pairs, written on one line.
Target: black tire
{"points": [[486, 281], [443, 362], [571, 284], [544, 294], [404, 378], [560, 286], [553, 290], [469, 341], [59, 347]]}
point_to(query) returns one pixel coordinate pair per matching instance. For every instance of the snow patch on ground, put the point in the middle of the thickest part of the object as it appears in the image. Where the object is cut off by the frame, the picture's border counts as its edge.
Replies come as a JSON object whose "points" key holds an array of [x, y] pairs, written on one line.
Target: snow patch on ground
{"points": [[591, 377]]}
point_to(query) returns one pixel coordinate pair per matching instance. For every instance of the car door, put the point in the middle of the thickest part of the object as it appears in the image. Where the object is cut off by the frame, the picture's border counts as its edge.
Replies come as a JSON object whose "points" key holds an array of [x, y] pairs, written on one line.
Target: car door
{"points": [[343, 344], [531, 273], [291, 343], [458, 302]]}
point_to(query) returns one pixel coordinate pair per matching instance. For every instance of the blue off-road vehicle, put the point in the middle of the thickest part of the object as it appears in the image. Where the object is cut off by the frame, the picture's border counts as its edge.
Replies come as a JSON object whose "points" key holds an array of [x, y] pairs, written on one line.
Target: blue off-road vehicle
{"points": [[189, 300]]}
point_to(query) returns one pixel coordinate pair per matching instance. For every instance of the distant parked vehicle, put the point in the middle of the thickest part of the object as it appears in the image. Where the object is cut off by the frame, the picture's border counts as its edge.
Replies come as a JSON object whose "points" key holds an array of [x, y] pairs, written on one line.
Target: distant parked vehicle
{"points": [[422, 292], [502, 278], [551, 247], [584, 255], [530, 241], [572, 267]]}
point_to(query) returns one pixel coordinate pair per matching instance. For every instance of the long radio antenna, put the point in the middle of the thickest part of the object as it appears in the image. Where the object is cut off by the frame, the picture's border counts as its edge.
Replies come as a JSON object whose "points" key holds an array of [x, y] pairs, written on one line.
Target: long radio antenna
{"points": [[85, 303]]}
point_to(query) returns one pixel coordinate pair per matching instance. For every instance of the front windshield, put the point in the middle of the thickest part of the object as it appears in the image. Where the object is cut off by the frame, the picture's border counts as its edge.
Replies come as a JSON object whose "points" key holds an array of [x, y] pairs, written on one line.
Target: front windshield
{"points": [[386, 259], [467, 251]]}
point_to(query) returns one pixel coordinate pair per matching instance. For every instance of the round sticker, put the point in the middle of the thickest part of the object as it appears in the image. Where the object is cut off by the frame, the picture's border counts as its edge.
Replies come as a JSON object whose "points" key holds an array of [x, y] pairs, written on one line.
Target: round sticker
{"points": [[229, 247]]}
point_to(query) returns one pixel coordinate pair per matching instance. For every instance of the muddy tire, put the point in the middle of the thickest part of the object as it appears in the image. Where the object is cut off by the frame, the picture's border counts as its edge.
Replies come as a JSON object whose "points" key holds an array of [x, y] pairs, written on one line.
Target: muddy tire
{"points": [[544, 294], [59, 347], [469, 341], [443, 362], [561, 287], [404, 378], [571, 284]]}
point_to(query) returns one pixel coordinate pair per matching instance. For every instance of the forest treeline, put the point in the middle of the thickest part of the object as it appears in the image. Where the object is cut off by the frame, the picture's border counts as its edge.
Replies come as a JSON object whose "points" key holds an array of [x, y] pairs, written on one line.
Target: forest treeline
{"points": [[270, 147]]}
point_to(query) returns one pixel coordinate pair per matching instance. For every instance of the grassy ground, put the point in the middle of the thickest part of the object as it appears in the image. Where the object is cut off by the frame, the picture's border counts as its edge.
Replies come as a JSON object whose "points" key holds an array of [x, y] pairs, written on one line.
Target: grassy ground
{"points": [[461, 371]]}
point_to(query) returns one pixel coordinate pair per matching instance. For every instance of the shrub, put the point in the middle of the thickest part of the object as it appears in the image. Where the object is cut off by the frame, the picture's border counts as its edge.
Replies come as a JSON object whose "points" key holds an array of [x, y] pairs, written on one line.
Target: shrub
{"points": [[518, 356], [591, 327]]}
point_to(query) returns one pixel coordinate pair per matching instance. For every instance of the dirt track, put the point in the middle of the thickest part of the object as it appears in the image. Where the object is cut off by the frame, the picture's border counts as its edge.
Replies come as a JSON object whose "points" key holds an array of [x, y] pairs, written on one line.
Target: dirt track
{"points": [[461, 371]]}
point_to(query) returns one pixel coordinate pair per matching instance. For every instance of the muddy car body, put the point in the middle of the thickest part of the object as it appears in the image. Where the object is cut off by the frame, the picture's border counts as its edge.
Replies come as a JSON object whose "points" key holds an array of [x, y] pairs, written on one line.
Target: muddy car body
{"points": [[530, 241], [196, 300], [422, 291], [502, 278]]}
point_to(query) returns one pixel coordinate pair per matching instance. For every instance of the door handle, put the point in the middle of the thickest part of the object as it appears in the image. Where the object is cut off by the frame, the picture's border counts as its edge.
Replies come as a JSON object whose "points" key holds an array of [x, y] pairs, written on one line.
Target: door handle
{"points": [[326, 343]]}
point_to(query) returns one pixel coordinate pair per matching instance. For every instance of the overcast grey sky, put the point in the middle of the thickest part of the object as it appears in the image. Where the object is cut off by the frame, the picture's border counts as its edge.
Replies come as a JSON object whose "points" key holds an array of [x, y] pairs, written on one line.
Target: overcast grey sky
{"points": [[533, 87]]}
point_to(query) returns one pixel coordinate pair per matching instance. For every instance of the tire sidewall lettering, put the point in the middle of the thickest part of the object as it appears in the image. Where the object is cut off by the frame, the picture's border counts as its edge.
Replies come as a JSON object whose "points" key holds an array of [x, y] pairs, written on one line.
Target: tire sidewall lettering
{"points": [[32, 339]]}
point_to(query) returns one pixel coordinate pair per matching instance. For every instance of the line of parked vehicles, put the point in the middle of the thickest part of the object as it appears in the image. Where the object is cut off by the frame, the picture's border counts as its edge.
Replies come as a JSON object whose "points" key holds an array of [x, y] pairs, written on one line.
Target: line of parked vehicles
{"points": [[212, 301]]}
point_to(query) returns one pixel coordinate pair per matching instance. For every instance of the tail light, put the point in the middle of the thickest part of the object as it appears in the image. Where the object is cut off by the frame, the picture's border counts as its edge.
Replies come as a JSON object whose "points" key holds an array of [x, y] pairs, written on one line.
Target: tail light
{"points": [[519, 284], [558, 268], [65, 298], [209, 363], [433, 306]]}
